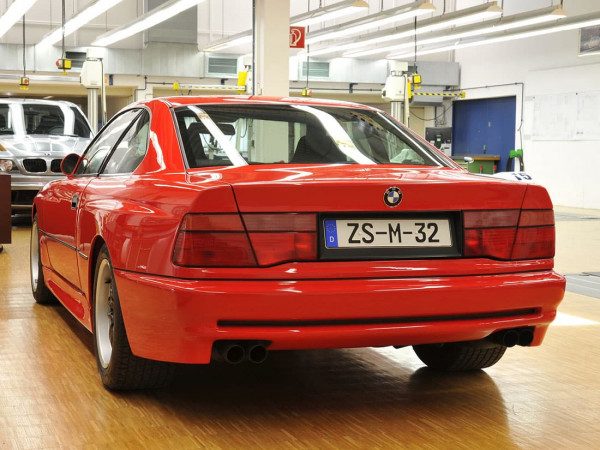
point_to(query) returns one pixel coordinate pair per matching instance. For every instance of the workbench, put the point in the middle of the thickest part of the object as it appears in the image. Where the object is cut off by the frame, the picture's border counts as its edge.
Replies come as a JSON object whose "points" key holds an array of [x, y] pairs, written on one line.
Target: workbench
{"points": [[487, 164]]}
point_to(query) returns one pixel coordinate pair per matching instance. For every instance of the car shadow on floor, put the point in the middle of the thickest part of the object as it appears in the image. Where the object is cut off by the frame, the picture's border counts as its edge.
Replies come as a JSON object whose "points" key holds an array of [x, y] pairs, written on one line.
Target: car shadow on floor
{"points": [[355, 392]]}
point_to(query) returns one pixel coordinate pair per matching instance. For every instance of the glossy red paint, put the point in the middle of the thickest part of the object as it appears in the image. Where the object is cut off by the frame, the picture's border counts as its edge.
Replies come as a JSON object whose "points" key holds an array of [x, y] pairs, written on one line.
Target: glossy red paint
{"points": [[172, 312]]}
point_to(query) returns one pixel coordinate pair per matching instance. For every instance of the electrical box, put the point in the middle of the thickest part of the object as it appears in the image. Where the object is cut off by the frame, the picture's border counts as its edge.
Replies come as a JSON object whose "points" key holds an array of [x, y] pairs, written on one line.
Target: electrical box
{"points": [[64, 64], [91, 74], [394, 88], [24, 83]]}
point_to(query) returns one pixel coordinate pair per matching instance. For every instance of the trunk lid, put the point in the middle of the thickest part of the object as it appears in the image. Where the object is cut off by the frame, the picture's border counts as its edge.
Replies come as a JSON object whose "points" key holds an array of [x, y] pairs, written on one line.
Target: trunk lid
{"points": [[359, 188]]}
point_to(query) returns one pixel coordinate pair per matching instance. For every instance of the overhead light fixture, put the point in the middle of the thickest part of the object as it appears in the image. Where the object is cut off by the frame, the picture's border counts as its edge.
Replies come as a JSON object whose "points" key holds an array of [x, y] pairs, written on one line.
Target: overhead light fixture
{"points": [[231, 41], [571, 23], [333, 11], [596, 53], [80, 19], [330, 12], [523, 20], [145, 21], [13, 14], [380, 19], [482, 12]]}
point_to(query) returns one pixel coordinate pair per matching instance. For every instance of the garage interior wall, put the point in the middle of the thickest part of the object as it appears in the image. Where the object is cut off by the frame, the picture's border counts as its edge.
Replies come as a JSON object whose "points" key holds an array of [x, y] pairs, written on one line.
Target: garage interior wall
{"points": [[548, 66]]}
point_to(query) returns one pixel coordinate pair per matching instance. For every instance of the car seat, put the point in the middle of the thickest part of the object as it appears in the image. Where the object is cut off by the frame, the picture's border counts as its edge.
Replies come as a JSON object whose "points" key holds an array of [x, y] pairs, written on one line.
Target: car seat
{"points": [[317, 147], [197, 148]]}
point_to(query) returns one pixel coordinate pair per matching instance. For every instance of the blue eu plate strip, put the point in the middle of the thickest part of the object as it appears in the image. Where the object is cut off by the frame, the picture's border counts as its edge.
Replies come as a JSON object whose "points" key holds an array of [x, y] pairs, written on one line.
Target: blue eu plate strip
{"points": [[331, 237]]}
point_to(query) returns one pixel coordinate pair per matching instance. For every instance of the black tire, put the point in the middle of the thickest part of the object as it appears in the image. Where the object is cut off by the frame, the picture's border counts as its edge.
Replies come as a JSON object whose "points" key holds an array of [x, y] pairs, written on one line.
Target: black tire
{"points": [[459, 356], [40, 291], [124, 370]]}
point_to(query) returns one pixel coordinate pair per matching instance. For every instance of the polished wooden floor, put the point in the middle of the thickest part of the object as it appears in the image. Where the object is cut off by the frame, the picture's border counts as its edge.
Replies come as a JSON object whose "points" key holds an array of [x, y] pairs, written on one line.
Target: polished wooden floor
{"points": [[546, 397]]}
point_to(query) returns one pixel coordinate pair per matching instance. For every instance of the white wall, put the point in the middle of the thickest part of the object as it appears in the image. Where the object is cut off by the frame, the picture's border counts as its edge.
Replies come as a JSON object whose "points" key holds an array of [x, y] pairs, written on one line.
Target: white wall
{"points": [[547, 65]]}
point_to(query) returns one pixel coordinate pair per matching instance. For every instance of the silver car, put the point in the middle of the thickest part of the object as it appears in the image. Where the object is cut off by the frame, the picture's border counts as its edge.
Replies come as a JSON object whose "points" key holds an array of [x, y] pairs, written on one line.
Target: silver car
{"points": [[35, 135]]}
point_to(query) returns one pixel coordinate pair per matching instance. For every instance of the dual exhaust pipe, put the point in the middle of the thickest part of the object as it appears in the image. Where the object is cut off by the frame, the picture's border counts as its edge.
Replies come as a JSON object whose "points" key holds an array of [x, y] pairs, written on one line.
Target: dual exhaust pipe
{"points": [[511, 337], [234, 352]]}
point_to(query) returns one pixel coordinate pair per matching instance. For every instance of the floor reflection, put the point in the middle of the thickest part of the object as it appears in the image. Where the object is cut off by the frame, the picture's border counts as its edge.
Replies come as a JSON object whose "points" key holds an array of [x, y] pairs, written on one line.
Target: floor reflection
{"points": [[51, 395]]}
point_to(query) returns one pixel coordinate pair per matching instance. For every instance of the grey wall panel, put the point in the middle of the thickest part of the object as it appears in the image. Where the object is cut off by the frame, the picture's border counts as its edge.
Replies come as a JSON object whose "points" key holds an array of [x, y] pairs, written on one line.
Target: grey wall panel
{"points": [[123, 61], [11, 57], [439, 73], [182, 60], [180, 29]]}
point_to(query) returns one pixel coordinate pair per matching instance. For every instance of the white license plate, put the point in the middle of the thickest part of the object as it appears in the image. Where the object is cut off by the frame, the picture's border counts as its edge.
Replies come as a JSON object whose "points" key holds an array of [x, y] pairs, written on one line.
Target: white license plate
{"points": [[352, 233]]}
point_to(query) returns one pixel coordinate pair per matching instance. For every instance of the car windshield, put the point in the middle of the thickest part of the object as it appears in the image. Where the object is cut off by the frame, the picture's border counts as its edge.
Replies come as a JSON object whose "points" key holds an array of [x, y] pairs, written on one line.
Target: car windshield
{"points": [[296, 134], [6, 126], [43, 119]]}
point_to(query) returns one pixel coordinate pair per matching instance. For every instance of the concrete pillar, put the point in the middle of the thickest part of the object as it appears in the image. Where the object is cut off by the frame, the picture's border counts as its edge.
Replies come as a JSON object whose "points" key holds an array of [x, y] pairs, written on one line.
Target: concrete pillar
{"points": [[272, 53], [144, 94], [92, 108]]}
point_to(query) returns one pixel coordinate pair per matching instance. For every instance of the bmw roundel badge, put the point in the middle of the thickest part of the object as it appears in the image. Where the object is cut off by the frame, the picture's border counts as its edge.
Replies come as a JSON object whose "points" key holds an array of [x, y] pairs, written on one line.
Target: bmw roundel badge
{"points": [[392, 197]]}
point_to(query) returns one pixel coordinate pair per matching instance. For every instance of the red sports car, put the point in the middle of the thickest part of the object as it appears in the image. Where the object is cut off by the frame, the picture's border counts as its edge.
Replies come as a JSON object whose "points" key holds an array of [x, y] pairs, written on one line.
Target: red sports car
{"points": [[203, 227]]}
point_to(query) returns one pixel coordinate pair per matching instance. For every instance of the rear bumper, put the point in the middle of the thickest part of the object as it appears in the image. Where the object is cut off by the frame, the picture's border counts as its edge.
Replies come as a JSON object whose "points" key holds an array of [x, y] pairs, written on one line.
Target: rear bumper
{"points": [[179, 320]]}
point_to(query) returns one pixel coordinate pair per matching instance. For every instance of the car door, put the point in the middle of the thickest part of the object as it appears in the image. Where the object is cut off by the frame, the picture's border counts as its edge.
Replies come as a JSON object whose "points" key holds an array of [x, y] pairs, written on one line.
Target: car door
{"points": [[61, 224], [104, 201]]}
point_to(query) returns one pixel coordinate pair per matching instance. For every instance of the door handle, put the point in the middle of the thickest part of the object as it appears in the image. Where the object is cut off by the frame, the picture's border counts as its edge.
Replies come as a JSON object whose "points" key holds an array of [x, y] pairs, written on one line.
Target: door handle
{"points": [[74, 201]]}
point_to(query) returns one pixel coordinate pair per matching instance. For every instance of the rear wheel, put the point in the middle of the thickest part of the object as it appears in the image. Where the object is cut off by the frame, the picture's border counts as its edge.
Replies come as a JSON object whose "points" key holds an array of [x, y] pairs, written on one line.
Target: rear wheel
{"points": [[41, 293], [119, 368], [459, 356]]}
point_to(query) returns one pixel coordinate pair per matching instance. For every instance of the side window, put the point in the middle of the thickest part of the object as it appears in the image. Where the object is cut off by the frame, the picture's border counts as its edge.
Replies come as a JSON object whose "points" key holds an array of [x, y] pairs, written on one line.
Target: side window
{"points": [[80, 126], [131, 149], [104, 142], [5, 120], [44, 119]]}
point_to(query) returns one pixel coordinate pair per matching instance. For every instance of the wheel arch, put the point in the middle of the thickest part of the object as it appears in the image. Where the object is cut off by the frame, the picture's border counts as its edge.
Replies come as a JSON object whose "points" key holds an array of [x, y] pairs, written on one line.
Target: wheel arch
{"points": [[96, 246]]}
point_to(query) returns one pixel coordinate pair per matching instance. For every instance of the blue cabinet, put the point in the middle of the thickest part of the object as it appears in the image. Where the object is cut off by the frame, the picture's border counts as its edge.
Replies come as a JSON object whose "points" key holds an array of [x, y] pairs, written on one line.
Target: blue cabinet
{"points": [[484, 127]]}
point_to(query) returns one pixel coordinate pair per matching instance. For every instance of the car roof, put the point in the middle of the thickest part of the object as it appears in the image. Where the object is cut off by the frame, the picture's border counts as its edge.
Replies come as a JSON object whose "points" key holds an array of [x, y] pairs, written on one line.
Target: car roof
{"points": [[35, 101], [255, 100]]}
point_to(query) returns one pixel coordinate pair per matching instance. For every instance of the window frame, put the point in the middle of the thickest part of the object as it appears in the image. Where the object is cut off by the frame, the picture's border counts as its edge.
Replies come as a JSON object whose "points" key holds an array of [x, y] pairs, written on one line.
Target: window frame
{"points": [[10, 116], [64, 111], [437, 160], [76, 110], [100, 134], [101, 173]]}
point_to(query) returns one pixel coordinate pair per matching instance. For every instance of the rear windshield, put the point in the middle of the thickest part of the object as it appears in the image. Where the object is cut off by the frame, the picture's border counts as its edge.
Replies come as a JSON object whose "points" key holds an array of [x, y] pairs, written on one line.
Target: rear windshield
{"points": [[43, 119], [296, 134]]}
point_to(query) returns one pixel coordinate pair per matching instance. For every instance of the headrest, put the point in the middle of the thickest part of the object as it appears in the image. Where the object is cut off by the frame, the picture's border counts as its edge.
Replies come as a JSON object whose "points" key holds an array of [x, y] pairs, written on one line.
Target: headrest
{"points": [[199, 128]]}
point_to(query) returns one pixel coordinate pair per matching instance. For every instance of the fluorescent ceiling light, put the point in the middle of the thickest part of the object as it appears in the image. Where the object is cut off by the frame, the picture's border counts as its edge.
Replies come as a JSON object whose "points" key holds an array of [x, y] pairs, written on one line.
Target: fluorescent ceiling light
{"points": [[476, 13], [380, 19], [523, 20], [334, 11], [13, 14], [596, 53], [79, 20], [330, 12], [231, 41], [145, 21], [571, 23]]}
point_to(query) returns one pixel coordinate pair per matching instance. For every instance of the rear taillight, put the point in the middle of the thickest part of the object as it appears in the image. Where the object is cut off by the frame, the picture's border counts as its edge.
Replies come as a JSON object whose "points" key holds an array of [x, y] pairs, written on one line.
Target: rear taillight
{"points": [[228, 240], [535, 235], [213, 240], [278, 238], [509, 234]]}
